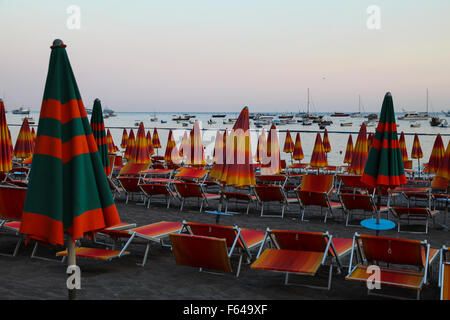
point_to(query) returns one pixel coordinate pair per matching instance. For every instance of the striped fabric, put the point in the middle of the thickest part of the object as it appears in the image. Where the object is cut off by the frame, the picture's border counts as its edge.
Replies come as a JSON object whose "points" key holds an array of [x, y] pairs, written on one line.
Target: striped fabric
{"points": [[151, 150], [171, 154], [24, 144], [112, 148], [155, 139], [184, 146], [140, 152], [288, 143], [403, 149], [131, 145], [444, 167], [326, 142], [5, 148], [195, 153], [94, 253], [437, 154], [124, 142], [349, 150], [273, 165], [360, 153], [319, 156], [298, 150], [98, 130], [261, 147], [416, 152], [283, 260], [68, 191]]}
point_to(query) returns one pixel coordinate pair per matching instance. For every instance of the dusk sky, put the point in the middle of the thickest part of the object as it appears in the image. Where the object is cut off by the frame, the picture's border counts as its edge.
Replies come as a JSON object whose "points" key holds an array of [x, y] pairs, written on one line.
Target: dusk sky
{"points": [[210, 55]]}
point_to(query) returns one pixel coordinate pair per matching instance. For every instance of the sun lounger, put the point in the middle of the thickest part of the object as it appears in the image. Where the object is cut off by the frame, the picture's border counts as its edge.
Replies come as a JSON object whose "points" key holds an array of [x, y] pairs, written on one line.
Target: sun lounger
{"points": [[413, 214], [302, 253], [239, 240], [444, 273], [272, 193], [402, 263], [157, 182], [358, 202], [245, 196], [129, 178]]}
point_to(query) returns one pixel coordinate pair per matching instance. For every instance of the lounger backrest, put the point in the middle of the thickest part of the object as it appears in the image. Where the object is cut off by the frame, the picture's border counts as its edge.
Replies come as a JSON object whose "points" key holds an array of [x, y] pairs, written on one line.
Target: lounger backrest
{"points": [[407, 164], [392, 250], [12, 200], [217, 231], [133, 169], [188, 189], [130, 184], [202, 252], [439, 183], [317, 183], [352, 181], [298, 240], [272, 179], [353, 201], [413, 211], [191, 173], [309, 198], [118, 161], [269, 193], [154, 188]]}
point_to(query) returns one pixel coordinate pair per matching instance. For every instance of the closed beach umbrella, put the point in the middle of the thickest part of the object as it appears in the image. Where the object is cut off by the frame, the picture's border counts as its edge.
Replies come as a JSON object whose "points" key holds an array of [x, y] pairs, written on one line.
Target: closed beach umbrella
{"points": [[131, 144], [298, 150], [384, 166], [273, 154], [326, 142], [24, 143], [444, 165], [140, 152], [151, 150], [370, 140], [124, 142], [98, 130], [5, 147], [33, 134], [360, 153], [184, 145], [218, 147], [416, 152], [112, 148], [220, 155], [155, 140], [11, 148], [172, 154], [437, 154], [196, 155], [349, 150], [68, 192], [319, 156], [403, 149], [261, 147], [288, 143]]}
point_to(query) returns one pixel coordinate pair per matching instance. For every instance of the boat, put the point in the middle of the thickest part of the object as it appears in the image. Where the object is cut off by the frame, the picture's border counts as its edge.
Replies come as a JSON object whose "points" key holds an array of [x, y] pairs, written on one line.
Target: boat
{"points": [[185, 124], [88, 111], [30, 119], [435, 121], [444, 124], [358, 114], [346, 124], [218, 115], [21, 110], [154, 119], [416, 115], [109, 113], [340, 114], [211, 121], [306, 122], [137, 123], [372, 117], [286, 116], [163, 121], [447, 114], [369, 123], [415, 124], [308, 115], [228, 122]]}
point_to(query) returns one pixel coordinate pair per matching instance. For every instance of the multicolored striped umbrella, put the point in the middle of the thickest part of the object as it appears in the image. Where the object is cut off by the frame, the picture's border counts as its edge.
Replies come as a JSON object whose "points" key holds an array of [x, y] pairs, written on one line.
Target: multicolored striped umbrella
{"points": [[151, 150], [370, 138], [98, 130], [68, 192], [218, 148], [437, 154], [155, 140], [196, 156], [24, 144], [319, 156], [131, 144], [360, 153], [416, 152], [112, 148], [184, 145], [402, 143], [273, 165], [220, 155], [384, 166], [10, 142], [33, 134], [288, 143], [444, 166], [298, 150], [261, 147], [326, 142], [349, 150], [172, 154], [5, 147], [140, 152], [124, 142]]}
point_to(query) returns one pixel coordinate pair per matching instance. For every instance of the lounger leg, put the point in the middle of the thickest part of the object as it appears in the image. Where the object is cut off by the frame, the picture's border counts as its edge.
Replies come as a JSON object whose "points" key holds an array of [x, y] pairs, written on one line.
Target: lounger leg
{"points": [[330, 276], [182, 204], [144, 260], [282, 211], [239, 266], [17, 247], [286, 278], [168, 202], [126, 201], [201, 205], [262, 209], [248, 207], [148, 202]]}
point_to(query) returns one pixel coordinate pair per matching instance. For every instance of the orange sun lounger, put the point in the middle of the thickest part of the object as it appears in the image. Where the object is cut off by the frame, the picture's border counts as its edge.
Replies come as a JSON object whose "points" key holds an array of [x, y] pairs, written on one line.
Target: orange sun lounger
{"points": [[242, 240], [272, 193], [129, 178], [402, 263], [413, 214], [157, 182], [358, 202], [302, 253]]}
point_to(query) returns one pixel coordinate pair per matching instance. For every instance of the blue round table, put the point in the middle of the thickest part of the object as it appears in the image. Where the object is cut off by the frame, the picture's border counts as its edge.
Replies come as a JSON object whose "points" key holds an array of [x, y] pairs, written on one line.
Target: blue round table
{"points": [[383, 225]]}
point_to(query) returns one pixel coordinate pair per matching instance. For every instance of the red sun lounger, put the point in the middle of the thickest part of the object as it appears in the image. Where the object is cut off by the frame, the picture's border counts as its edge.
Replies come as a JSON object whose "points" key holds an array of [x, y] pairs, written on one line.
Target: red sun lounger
{"points": [[242, 240], [157, 183], [302, 253], [358, 202], [272, 193], [402, 263], [444, 273], [413, 214], [129, 178]]}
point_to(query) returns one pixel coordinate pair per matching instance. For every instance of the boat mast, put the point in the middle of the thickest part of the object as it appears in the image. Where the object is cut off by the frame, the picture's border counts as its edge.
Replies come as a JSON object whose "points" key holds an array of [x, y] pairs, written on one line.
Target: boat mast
{"points": [[359, 103], [427, 101], [307, 112]]}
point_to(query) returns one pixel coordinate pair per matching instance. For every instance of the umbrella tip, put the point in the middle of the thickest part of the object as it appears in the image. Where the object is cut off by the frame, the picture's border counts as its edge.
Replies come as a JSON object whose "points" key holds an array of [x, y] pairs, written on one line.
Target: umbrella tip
{"points": [[388, 94], [245, 107], [57, 42], [97, 100]]}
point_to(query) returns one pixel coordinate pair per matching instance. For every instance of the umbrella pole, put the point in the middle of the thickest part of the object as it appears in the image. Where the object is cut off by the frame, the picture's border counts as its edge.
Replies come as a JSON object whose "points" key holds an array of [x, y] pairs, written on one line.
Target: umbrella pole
{"points": [[378, 206], [219, 210], [71, 261]]}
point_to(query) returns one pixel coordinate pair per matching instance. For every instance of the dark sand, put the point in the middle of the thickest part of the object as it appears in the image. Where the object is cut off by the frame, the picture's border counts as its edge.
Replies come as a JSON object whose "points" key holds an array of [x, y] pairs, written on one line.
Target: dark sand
{"points": [[25, 278]]}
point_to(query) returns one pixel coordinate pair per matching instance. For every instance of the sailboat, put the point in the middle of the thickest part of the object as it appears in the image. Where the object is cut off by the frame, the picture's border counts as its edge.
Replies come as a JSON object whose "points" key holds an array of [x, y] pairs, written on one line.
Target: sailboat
{"points": [[308, 117], [358, 114], [154, 118], [412, 115]]}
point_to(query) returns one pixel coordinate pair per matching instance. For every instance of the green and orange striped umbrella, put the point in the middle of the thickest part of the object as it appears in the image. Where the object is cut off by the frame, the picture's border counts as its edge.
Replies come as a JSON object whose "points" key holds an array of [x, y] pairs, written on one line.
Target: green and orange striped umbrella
{"points": [[360, 152], [261, 147], [140, 152], [349, 150], [172, 154], [326, 142], [131, 144], [155, 140], [151, 150], [196, 156], [319, 156], [68, 192], [112, 148], [298, 150], [370, 138], [24, 144], [384, 166], [437, 154], [98, 130], [288, 143], [5, 147], [124, 142], [273, 165], [403, 149]]}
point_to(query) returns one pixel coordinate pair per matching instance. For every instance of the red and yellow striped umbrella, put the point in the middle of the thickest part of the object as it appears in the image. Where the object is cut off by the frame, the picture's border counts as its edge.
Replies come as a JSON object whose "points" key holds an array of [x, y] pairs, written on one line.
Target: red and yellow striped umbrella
{"points": [[155, 140], [319, 156], [298, 150], [140, 152], [402, 143], [219, 156], [349, 150], [261, 147], [24, 143], [11, 147], [68, 192], [184, 145], [5, 147], [326, 142], [124, 142], [273, 165], [218, 148], [370, 138], [416, 152], [151, 149], [112, 148], [196, 156], [131, 144], [360, 152], [437, 154], [33, 134], [172, 154], [444, 166], [288, 143]]}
